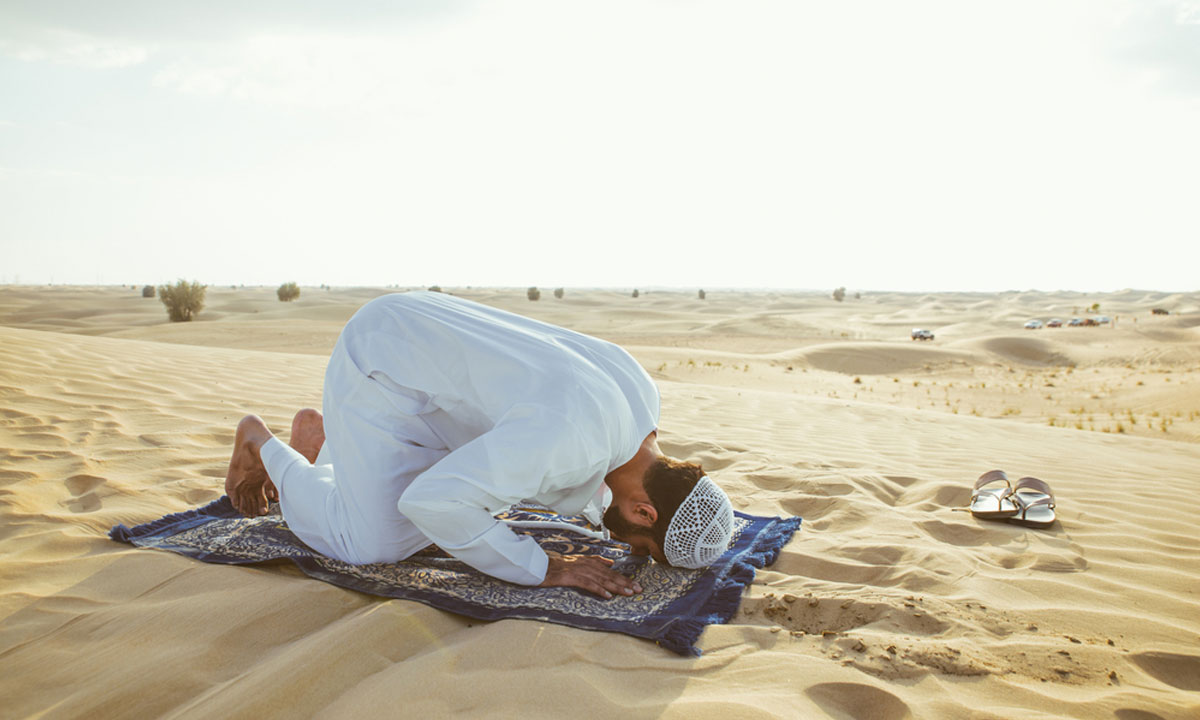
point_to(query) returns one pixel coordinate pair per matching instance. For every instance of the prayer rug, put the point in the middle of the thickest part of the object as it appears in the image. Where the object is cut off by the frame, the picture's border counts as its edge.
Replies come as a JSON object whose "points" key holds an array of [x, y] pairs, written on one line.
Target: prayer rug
{"points": [[673, 609]]}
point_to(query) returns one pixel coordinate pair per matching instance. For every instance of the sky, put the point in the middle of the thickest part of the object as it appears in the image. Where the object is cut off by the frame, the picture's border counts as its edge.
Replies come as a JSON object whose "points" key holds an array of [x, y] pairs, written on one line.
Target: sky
{"points": [[877, 145]]}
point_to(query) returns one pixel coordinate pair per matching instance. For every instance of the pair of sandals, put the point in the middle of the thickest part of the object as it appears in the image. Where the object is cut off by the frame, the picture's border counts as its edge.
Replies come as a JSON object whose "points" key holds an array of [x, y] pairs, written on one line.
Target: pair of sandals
{"points": [[1030, 502]]}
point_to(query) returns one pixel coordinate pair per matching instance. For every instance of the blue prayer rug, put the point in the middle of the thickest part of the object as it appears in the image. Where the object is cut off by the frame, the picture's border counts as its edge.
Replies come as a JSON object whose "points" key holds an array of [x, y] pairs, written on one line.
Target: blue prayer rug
{"points": [[674, 607]]}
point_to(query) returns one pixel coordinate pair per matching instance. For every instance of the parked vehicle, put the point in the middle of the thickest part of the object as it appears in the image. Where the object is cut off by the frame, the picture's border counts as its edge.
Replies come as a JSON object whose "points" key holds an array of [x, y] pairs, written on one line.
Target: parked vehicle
{"points": [[1103, 319], [1033, 325], [1075, 322], [1054, 322], [921, 334], [1159, 311]]}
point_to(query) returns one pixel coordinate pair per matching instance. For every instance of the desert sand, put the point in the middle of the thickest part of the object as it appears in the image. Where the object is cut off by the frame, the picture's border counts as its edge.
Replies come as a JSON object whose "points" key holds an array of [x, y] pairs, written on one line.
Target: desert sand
{"points": [[889, 603]]}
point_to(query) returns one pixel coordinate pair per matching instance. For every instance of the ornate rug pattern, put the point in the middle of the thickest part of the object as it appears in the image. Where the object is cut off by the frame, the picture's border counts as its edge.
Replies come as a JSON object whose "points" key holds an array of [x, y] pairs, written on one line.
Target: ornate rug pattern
{"points": [[673, 609]]}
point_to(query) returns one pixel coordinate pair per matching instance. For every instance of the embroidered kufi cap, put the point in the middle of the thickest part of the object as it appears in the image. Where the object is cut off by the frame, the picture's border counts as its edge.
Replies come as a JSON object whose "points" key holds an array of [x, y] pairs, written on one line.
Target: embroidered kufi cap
{"points": [[701, 529]]}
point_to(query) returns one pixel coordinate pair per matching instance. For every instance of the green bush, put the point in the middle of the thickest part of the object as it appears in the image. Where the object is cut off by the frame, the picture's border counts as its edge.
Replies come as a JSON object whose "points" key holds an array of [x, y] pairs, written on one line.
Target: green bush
{"points": [[701, 295], [558, 293], [533, 294], [435, 288], [183, 299], [288, 292], [148, 291], [635, 292], [839, 294]]}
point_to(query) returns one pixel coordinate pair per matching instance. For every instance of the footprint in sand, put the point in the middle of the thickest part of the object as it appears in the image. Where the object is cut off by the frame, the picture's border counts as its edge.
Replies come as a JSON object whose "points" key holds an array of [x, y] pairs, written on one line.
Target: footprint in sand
{"points": [[198, 496], [815, 615], [858, 701], [81, 484], [83, 487], [1176, 670]]}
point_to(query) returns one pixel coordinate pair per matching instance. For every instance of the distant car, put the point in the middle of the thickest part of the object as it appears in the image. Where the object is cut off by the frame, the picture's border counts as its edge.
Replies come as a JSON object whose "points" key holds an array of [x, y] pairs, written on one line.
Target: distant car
{"points": [[1054, 322], [1102, 319], [1075, 322], [1033, 325], [921, 334], [1089, 322], [1160, 311]]}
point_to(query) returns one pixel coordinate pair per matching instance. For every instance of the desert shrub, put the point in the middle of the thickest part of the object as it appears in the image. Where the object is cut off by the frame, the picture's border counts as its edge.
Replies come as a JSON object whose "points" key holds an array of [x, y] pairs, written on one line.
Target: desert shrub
{"points": [[839, 294], [183, 299], [558, 293], [288, 292], [701, 294], [635, 292], [533, 294], [435, 288], [148, 291]]}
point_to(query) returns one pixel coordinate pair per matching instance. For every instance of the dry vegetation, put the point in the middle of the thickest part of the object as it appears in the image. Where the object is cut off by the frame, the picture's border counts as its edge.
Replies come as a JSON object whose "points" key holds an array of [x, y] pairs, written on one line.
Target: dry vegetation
{"points": [[183, 299]]}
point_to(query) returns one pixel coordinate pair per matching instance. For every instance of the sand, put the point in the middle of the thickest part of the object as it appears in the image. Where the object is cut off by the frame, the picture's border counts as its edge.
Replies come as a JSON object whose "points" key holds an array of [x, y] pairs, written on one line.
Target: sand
{"points": [[888, 604]]}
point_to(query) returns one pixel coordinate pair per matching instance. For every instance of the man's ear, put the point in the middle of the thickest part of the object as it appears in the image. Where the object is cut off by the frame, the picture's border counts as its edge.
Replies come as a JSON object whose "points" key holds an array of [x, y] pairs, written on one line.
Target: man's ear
{"points": [[645, 514]]}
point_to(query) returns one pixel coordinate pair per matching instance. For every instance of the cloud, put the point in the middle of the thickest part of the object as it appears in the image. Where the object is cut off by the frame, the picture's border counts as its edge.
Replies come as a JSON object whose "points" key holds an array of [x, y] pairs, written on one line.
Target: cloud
{"points": [[1161, 38], [122, 33], [165, 21], [300, 70], [67, 47]]}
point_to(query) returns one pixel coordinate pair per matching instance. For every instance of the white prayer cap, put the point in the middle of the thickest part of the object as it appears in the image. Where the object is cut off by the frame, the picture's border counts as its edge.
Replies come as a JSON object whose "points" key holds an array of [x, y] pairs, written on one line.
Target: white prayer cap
{"points": [[701, 529]]}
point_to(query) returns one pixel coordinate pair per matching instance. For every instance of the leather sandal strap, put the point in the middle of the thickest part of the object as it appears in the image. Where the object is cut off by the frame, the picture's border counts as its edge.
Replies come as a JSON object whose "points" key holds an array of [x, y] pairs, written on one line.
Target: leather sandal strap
{"points": [[992, 476], [1048, 501], [1032, 483], [1041, 501]]}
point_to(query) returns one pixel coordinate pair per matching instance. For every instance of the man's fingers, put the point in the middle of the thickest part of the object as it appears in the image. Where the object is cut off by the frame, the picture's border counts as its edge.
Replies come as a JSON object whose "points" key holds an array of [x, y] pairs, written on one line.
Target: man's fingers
{"points": [[608, 581], [591, 573]]}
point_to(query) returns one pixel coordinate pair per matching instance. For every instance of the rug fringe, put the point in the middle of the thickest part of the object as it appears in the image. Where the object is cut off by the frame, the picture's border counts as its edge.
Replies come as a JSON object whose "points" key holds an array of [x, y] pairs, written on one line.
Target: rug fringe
{"points": [[221, 507], [726, 597]]}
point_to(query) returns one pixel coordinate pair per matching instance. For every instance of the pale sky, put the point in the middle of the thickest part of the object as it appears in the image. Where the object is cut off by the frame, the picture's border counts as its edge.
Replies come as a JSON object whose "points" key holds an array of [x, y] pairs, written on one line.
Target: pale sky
{"points": [[956, 145]]}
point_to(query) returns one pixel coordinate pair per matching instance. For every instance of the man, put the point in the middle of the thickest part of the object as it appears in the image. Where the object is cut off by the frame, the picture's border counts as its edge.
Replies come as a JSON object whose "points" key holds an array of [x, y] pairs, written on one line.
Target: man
{"points": [[440, 412]]}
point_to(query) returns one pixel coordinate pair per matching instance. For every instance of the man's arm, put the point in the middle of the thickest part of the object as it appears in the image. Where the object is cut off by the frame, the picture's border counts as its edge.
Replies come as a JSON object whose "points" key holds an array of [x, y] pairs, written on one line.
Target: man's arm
{"points": [[471, 534], [452, 504]]}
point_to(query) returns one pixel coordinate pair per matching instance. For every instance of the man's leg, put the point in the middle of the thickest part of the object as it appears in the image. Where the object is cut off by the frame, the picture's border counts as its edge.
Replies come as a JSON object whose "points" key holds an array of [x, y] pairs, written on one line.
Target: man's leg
{"points": [[247, 482], [342, 501], [308, 434]]}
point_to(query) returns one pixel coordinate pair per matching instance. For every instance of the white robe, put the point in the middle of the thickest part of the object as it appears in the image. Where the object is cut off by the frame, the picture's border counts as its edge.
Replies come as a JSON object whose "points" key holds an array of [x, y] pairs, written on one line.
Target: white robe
{"points": [[440, 412]]}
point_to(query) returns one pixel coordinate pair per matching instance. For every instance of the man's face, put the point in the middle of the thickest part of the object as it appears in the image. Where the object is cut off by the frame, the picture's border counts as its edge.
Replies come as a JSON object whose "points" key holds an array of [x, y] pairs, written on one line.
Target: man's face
{"points": [[636, 536]]}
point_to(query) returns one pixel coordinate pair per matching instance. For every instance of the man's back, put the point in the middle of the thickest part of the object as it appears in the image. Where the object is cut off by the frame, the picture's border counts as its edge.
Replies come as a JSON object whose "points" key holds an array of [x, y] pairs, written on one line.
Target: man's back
{"points": [[465, 367]]}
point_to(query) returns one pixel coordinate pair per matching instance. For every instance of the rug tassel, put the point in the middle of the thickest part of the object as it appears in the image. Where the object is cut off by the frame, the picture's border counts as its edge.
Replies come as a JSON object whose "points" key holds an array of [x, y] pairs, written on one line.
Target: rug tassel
{"points": [[221, 507], [726, 598]]}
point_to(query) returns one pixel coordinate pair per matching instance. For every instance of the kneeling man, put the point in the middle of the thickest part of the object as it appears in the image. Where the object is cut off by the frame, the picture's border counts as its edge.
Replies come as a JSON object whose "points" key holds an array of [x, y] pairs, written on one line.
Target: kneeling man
{"points": [[440, 412]]}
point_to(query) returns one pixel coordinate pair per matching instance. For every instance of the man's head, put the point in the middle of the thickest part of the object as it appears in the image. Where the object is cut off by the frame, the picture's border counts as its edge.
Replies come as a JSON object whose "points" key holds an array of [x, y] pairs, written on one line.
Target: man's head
{"points": [[680, 516]]}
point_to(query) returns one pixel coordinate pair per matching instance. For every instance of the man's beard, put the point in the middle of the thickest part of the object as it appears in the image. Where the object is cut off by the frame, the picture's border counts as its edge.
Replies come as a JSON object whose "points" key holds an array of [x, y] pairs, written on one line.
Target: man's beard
{"points": [[618, 525]]}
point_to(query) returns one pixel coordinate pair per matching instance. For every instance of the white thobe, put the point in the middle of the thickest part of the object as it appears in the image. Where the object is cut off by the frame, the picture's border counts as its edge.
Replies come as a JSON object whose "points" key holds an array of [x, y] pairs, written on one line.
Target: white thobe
{"points": [[439, 413]]}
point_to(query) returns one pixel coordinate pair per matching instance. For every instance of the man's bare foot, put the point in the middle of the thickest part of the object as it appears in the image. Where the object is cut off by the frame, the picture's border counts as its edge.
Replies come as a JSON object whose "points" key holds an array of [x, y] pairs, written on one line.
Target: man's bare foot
{"points": [[246, 483], [308, 433]]}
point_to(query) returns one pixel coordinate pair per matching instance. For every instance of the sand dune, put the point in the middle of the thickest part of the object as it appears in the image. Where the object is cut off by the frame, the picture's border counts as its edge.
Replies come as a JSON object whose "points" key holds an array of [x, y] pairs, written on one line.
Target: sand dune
{"points": [[889, 603], [880, 358]]}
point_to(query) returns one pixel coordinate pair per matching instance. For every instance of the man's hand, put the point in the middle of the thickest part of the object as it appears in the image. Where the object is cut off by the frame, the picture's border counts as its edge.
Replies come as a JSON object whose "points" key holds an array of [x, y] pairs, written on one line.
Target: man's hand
{"points": [[588, 572]]}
